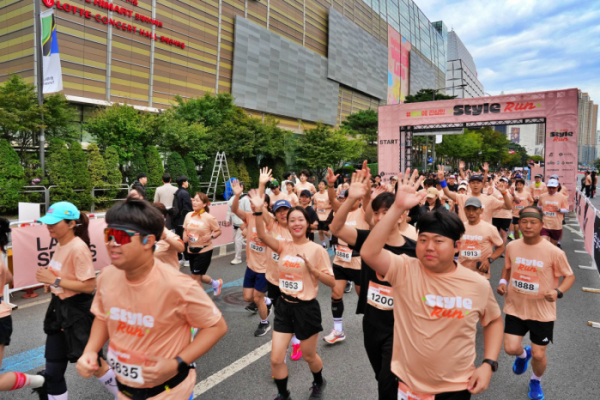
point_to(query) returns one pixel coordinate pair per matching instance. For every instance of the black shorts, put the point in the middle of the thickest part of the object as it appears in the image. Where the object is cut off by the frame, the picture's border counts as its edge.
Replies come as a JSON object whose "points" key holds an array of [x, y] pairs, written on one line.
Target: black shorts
{"points": [[273, 292], [515, 220], [346, 274], [200, 262], [323, 225], [6, 329], [501, 223], [540, 332], [302, 319]]}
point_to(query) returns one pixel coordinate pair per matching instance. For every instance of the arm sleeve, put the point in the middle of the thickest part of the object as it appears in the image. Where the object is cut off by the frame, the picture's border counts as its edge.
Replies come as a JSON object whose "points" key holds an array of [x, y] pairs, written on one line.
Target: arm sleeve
{"points": [[491, 310], [397, 270], [198, 309]]}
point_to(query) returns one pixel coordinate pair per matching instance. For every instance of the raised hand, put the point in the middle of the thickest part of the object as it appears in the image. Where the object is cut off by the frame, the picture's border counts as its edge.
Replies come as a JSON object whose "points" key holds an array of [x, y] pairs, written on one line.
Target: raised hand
{"points": [[486, 166], [331, 178], [256, 200], [265, 176], [501, 186], [461, 165], [236, 187], [378, 190], [406, 194], [440, 173], [358, 185]]}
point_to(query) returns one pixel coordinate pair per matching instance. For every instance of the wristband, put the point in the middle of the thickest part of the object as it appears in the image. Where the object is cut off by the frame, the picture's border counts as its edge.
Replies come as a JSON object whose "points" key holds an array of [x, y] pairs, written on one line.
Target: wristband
{"points": [[503, 281], [257, 214], [443, 184]]}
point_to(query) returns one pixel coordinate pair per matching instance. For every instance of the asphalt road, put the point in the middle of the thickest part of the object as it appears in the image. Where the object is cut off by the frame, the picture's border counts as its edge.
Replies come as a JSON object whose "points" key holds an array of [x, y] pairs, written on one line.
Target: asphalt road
{"points": [[229, 373]]}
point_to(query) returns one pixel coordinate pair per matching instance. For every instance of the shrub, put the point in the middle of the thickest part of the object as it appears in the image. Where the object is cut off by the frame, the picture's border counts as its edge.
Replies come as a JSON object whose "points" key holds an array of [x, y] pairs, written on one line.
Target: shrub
{"points": [[138, 165], [80, 176], [155, 169], [60, 171], [11, 177], [97, 169], [114, 178], [192, 174], [175, 165]]}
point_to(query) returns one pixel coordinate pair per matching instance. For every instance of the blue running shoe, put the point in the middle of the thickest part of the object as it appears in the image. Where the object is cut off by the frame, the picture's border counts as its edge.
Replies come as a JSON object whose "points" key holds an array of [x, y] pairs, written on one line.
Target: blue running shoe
{"points": [[521, 365], [535, 390]]}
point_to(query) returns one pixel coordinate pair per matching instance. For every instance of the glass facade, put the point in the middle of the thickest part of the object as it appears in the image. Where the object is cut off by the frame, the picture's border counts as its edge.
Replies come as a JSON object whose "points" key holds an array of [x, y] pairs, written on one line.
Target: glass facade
{"points": [[411, 23]]}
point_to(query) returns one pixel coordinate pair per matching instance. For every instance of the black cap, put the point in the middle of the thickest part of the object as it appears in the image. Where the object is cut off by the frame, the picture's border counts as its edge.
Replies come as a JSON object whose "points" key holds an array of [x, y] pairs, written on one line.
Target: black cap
{"points": [[306, 193], [476, 178]]}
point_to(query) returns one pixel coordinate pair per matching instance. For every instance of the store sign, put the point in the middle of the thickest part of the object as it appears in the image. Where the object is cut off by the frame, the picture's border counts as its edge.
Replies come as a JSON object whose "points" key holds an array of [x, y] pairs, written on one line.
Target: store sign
{"points": [[124, 26]]}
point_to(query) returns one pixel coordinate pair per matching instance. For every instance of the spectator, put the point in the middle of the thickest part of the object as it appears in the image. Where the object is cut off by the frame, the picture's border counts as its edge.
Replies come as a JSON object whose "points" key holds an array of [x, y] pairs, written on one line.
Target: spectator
{"points": [[182, 205], [165, 195], [140, 185]]}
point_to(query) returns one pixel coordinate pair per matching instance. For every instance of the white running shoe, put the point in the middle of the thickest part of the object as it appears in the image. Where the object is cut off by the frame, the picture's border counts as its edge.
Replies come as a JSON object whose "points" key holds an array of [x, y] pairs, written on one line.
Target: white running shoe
{"points": [[335, 337], [235, 261]]}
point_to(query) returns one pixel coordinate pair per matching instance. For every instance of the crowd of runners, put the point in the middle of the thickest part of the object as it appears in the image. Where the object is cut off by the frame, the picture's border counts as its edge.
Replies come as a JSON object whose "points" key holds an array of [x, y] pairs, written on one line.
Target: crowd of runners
{"points": [[417, 251]]}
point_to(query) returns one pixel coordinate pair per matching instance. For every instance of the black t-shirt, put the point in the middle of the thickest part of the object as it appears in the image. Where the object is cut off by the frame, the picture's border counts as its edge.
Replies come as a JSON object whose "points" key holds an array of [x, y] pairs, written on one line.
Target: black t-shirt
{"points": [[453, 188], [312, 215], [383, 320]]}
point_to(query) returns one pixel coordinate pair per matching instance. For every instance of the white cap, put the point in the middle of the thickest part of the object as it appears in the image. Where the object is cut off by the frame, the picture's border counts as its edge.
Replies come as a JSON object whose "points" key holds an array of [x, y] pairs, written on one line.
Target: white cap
{"points": [[552, 183]]}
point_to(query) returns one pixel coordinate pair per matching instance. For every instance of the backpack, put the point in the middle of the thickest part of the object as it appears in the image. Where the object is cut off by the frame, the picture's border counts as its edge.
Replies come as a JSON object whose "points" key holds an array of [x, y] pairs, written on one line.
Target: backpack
{"points": [[176, 205]]}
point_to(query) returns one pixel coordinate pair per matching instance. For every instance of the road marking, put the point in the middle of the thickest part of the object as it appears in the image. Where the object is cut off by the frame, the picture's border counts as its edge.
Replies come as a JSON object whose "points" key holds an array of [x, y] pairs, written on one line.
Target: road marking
{"points": [[581, 251], [231, 369], [35, 303], [578, 240], [574, 231], [587, 267]]}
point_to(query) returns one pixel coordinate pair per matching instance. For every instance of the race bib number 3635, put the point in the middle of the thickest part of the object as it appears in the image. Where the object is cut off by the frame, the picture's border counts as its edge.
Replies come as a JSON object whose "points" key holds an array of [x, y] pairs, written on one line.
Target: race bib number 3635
{"points": [[125, 365]]}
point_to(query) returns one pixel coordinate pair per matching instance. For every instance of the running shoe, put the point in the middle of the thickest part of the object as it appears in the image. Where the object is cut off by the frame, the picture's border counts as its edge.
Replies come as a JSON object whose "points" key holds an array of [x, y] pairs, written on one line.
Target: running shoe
{"points": [[286, 397], [348, 287], [262, 329], [217, 291], [535, 390], [335, 337], [511, 236], [252, 308], [521, 364], [324, 245], [235, 261], [316, 391], [42, 391], [296, 352]]}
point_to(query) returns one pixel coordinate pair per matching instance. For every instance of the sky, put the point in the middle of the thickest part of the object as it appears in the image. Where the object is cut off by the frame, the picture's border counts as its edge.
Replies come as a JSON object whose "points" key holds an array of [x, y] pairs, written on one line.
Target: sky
{"points": [[527, 45]]}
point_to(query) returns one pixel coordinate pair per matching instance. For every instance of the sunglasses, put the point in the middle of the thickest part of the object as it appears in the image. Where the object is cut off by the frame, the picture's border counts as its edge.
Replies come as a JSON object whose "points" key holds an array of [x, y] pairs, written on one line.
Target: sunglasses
{"points": [[119, 236]]}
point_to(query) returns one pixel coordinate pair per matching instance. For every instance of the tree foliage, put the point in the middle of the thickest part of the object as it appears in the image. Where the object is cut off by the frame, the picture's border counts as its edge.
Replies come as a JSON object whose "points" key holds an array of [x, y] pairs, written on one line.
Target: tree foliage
{"points": [[137, 166], [155, 170], [60, 171], [98, 173], [192, 174], [427, 95], [208, 110], [114, 178], [175, 165], [324, 147], [178, 135], [81, 175], [364, 124], [11, 177]]}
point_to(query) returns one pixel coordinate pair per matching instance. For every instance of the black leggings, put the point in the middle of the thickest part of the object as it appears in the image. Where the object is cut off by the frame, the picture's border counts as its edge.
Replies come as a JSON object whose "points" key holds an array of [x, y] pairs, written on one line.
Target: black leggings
{"points": [[379, 346], [56, 363]]}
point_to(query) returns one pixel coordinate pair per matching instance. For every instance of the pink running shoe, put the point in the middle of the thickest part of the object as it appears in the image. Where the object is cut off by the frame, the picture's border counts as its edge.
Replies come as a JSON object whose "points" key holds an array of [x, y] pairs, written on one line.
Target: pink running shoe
{"points": [[296, 352]]}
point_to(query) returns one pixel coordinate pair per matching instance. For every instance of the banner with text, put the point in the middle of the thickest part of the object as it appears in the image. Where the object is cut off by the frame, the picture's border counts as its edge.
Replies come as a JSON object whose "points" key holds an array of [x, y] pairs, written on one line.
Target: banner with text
{"points": [[51, 58]]}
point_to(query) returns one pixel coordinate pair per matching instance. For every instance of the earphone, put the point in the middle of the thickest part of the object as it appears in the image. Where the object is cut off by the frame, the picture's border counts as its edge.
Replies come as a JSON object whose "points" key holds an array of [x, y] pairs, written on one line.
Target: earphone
{"points": [[145, 240]]}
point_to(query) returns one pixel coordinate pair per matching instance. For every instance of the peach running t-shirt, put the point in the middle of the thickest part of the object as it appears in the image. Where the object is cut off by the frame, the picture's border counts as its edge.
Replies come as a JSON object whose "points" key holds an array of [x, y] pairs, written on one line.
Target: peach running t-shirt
{"points": [[534, 270], [294, 278], [151, 318], [502, 212], [304, 186], [282, 234], [345, 257], [490, 204], [526, 200], [256, 250], [197, 225], [563, 190], [4, 308], [536, 191], [551, 206], [165, 252], [72, 261], [436, 318], [322, 205], [477, 244]]}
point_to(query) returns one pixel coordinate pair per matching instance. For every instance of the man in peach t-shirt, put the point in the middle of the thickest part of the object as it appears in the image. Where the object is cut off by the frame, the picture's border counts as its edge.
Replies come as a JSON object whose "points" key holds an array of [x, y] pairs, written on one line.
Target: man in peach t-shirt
{"points": [[530, 280], [554, 205], [437, 305], [150, 349]]}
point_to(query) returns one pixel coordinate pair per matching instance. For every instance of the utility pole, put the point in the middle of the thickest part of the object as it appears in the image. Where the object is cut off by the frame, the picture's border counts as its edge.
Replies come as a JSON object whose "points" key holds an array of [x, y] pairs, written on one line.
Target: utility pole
{"points": [[40, 80]]}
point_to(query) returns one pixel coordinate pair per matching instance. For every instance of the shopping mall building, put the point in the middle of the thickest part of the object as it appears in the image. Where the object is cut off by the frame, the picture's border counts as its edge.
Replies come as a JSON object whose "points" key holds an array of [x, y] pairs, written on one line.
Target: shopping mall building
{"points": [[301, 60]]}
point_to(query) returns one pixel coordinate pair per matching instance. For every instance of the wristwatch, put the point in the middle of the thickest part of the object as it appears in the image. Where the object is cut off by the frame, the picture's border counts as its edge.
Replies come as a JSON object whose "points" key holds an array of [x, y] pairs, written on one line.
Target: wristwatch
{"points": [[182, 366], [491, 260], [493, 364], [560, 294], [57, 283]]}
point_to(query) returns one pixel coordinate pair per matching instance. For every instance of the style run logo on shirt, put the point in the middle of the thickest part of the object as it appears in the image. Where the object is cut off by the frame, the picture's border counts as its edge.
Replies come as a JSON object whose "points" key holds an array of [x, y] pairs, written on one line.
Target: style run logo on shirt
{"points": [[293, 262], [472, 238], [528, 265], [131, 323], [446, 306]]}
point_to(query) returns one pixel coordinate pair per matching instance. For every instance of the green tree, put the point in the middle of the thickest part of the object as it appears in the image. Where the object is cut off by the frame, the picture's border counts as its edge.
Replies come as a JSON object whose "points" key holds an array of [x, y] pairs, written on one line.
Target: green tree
{"points": [[155, 169], [463, 147], [208, 110], [192, 174], [124, 127], [364, 124], [494, 147], [11, 177], [536, 159], [324, 147], [427, 95], [114, 178], [81, 175], [175, 165], [98, 174], [175, 134], [58, 118], [60, 171], [137, 166]]}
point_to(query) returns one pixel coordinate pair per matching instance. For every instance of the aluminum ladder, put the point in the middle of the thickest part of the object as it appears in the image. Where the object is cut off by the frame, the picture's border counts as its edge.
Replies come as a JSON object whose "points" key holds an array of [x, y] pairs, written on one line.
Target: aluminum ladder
{"points": [[220, 168]]}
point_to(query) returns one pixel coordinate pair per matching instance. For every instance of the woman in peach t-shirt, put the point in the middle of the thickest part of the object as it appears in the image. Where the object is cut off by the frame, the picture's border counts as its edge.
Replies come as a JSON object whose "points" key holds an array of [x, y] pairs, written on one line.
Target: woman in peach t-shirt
{"points": [[170, 244], [199, 230], [323, 209], [71, 278], [302, 265]]}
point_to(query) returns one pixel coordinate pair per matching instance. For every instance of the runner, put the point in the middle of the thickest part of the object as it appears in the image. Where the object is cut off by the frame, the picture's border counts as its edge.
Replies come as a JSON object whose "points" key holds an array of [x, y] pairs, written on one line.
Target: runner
{"points": [[452, 185], [276, 194], [432, 201], [305, 202], [10, 380], [170, 244], [323, 209], [525, 199], [304, 184], [502, 218], [292, 198], [239, 226], [146, 310], [391, 187], [199, 230], [302, 265], [406, 229], [490, 203], [533, 267], [554, 205], [588, 185], [255, 282], [432, 296], [477, 244], [375, 302], [72, 280], [538, 188], [346, 264]]}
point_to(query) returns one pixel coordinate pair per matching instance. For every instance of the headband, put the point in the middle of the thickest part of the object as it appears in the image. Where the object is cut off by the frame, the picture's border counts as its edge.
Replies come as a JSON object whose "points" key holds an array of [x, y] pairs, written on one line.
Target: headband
{"points": [[439, 230], [531, 215]]}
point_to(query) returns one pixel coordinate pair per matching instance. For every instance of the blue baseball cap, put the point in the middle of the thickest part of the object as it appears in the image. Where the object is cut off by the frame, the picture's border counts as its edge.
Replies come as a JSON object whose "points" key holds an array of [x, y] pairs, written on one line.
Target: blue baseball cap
{"points": [[60, 211], [281, 203]]}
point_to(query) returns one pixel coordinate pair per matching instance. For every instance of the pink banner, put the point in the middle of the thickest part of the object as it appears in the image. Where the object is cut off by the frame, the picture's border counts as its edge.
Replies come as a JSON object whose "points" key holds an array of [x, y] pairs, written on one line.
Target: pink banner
{"points": [[398, 59], [588, 228], [33, 248], [220, 213], [559, 108]]}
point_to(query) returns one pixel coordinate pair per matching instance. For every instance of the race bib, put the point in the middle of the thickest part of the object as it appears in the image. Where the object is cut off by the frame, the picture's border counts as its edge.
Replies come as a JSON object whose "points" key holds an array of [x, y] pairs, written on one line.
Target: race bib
{"points": [[320, 210], [274, 256], [257, 247], [473, 254], [126, 365], [192, 237], [519, 207], [290, 282], [526, 284], [549, 214], [380, 296], [404, 393], [344, 253]]}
